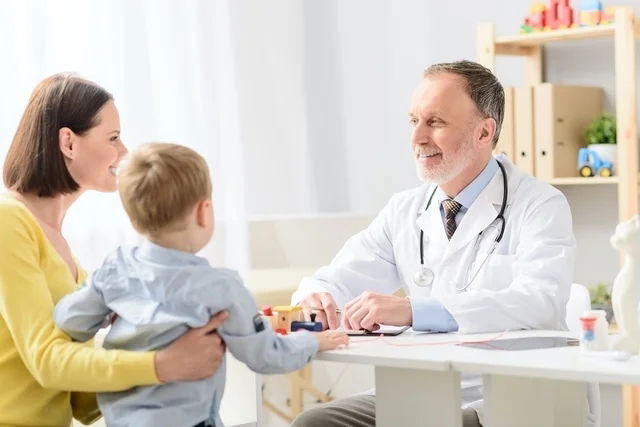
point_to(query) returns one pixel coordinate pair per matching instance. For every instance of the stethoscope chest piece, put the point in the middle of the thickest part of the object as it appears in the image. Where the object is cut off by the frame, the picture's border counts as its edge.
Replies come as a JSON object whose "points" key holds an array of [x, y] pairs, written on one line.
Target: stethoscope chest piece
{"points": [[423, 277]]}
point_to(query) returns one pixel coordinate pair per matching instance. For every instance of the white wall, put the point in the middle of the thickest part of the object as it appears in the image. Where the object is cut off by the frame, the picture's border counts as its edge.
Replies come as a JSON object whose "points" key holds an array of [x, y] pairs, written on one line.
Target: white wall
{"points": [[323, 91], [346, 69]]}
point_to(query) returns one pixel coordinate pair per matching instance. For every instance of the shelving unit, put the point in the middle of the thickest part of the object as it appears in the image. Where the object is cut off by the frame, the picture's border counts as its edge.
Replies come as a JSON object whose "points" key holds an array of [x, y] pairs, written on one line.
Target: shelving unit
{"points": [[624, 32]]}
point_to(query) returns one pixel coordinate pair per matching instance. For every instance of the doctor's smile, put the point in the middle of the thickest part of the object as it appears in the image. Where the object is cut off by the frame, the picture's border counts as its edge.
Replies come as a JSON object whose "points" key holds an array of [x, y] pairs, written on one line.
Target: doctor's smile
{"points": [[427, 159]]}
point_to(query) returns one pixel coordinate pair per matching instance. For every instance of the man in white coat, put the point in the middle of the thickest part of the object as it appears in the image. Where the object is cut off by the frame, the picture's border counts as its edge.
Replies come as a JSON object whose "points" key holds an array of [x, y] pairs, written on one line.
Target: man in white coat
{"points": [[479, 247]]}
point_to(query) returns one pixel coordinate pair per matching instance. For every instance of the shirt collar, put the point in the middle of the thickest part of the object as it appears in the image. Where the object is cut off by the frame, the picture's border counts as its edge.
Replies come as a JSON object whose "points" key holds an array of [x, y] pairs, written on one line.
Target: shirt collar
{"points": [[471, 192], [159, 254]]}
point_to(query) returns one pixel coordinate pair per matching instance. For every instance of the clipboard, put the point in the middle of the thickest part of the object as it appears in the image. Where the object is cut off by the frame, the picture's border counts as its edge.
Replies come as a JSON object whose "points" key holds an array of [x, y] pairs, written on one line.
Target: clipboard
{"points": [[387, 331]]}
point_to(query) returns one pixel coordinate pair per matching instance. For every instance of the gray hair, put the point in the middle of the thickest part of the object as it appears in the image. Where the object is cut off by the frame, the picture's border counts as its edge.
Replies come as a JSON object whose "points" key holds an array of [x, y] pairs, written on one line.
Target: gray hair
{"points": [[483, 88]]}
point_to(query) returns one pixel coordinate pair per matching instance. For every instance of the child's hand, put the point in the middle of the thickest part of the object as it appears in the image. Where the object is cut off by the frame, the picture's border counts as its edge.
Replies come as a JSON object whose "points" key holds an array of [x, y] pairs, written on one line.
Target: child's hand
{"points": [[328, 340]]}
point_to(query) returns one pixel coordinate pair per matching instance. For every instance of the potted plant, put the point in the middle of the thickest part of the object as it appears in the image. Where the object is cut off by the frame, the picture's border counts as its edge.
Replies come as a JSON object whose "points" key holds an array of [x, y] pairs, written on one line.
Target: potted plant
{"points": [[601, 138], [601, 299]]}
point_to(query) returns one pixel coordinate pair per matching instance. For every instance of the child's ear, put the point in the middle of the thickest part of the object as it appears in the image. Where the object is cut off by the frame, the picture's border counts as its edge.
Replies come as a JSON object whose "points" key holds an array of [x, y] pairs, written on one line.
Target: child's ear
{"points": [[202, 213]]}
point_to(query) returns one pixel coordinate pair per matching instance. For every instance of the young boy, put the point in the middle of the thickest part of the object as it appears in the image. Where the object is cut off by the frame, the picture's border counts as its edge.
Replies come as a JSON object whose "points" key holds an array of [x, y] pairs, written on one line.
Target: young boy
{"points": [[160, 289]]}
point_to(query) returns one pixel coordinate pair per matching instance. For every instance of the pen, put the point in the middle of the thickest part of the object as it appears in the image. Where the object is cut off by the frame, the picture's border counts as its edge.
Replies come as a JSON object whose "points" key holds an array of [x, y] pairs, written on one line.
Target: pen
{"points": [[322, 309]]}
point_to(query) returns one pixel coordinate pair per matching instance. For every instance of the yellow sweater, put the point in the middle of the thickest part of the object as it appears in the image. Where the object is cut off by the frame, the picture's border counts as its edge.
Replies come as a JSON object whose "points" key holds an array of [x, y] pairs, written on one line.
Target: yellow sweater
{"points": [[39, 363]]}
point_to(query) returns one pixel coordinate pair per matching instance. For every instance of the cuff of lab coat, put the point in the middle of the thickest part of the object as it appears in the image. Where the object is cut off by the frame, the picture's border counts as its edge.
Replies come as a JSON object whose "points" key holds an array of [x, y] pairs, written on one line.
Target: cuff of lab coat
{"points": [[430, 315]]}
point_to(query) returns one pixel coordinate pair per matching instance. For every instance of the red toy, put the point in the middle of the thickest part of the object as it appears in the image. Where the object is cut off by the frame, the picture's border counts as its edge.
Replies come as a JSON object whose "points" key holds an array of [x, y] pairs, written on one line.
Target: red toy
{"points": [[559, 14]]}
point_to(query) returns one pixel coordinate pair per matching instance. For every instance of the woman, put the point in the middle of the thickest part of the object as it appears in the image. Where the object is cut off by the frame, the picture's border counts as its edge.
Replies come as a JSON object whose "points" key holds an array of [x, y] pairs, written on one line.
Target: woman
{"points": [[68, 141]]}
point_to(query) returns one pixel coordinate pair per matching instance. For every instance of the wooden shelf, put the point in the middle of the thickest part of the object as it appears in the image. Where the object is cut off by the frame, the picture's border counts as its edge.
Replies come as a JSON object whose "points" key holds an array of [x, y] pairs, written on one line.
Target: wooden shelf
{"points": [[542, 37], [593, 180], [519, 44]]}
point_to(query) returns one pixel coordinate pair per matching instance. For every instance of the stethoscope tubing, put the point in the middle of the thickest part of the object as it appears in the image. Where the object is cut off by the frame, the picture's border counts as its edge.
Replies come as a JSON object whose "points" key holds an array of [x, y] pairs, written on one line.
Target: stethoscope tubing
{"points": [[500, 217]]}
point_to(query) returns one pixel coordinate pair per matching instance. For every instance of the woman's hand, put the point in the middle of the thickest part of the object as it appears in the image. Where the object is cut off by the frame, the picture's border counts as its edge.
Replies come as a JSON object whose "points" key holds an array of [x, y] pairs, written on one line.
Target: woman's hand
{"points": [[195, 355]]}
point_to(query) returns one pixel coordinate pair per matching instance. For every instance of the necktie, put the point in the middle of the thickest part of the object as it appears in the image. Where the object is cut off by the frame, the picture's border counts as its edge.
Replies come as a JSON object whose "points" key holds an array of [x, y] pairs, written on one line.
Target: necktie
{"points": [[451, 208]]}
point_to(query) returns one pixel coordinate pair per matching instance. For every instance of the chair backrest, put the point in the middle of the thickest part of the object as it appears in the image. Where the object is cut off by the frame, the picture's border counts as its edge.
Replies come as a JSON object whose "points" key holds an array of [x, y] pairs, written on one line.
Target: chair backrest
{"points": [[579, 301]]}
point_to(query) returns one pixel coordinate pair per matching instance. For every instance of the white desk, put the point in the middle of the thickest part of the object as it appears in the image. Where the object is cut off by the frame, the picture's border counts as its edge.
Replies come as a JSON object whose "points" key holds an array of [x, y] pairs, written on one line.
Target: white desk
{"points": [[417, 379]]}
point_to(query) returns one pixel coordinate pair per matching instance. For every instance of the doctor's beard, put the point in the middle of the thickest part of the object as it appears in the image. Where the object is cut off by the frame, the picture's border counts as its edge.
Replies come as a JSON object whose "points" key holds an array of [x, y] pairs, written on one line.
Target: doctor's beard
{"points": [[449, 168]]}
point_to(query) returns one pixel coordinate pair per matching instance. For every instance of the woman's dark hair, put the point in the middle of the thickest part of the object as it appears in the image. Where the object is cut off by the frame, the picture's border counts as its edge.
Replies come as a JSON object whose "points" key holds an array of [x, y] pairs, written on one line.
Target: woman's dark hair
{"points": [[34, 162]]}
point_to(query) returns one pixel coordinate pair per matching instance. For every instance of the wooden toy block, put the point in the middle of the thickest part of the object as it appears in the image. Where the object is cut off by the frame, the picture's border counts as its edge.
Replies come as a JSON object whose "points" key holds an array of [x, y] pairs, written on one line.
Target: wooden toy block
{"points": [[285, 314]]}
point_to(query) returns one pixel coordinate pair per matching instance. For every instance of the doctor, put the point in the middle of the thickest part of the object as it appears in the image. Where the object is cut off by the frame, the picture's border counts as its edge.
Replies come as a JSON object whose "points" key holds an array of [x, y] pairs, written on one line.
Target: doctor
{"points": [[479, 247]]}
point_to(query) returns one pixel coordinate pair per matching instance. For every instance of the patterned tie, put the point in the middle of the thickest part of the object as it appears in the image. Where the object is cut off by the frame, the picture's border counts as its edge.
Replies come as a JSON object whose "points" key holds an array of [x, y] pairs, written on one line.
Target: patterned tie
{"points": [[451, 208]]}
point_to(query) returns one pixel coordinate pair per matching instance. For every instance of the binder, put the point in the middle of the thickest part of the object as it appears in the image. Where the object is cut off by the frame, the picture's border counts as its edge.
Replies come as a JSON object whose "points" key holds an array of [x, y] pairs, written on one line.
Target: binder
{"points": [[524, 137], [561, 115]]}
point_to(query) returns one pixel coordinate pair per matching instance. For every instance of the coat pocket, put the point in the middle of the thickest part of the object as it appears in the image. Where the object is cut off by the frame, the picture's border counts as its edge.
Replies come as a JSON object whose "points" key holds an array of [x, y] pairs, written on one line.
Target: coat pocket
{"points": [[494, 272]]}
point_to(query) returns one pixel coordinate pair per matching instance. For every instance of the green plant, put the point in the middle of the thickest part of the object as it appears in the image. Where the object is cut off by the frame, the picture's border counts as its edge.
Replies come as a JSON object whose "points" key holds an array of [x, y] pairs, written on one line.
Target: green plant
{"points": [[602, 130], [600, 294]]}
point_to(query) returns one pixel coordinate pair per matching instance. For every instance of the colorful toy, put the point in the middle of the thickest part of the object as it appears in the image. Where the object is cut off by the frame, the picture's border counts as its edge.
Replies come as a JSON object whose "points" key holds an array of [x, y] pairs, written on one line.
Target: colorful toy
{"points": [[285, 314], [590, 13], [559, 15], [287, 318], [309, 326], [536, 19], [268, 316], [266, 310], [590, 164]]}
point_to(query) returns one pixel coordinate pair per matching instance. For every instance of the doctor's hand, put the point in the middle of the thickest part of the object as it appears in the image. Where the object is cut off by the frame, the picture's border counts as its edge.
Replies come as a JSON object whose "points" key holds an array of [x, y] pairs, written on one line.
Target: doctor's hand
{"points": [[324, 306], [371, 309]]}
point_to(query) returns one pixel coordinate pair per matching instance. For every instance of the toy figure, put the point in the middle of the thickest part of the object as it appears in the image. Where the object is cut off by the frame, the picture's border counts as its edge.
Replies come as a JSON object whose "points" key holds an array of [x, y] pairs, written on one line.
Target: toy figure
{"points": [[536, 19], [590, 13], [626, 287]]}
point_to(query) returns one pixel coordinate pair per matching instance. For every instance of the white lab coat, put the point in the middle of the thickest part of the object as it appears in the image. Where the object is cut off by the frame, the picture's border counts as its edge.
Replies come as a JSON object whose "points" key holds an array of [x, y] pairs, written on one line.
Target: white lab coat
{"points": [[525, 284]]}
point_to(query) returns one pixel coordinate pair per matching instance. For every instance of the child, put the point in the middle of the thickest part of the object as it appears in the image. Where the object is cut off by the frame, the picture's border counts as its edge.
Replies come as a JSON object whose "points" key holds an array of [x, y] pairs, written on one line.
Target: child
{"points": [[160, 288]]}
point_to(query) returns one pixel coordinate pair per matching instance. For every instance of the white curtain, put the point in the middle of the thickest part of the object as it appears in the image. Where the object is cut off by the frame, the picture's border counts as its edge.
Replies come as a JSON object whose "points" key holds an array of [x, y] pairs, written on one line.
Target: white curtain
{"points": [[170, 68], [299, 106]]}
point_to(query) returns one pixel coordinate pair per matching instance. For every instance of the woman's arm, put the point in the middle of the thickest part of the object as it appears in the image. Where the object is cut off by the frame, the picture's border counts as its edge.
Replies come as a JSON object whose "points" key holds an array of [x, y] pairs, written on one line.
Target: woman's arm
{"points": [[26, 307]]}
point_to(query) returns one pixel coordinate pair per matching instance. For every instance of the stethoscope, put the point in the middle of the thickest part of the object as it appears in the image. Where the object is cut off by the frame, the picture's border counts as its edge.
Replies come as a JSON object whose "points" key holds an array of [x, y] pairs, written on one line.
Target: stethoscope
{"points": [[425, 276]]}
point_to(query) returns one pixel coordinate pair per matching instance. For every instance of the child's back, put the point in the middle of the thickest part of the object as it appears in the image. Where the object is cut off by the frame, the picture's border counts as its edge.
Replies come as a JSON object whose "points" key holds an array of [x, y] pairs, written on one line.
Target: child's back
{"points": [[157, 293]]}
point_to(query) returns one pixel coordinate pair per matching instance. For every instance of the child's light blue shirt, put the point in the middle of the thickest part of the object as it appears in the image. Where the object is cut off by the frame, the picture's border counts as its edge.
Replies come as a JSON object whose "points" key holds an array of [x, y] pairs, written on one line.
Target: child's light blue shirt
{"points": [[159, 293]]}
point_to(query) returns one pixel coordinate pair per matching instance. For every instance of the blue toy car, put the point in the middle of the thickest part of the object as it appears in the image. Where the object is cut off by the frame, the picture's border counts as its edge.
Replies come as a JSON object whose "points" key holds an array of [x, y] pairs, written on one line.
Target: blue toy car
{"points": [[590, 164]]}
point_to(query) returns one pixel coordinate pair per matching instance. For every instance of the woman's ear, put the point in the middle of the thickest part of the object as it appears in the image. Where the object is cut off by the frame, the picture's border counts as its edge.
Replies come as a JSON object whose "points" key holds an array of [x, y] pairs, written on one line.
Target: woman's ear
{"points": [[203, 218], [66, 139]]}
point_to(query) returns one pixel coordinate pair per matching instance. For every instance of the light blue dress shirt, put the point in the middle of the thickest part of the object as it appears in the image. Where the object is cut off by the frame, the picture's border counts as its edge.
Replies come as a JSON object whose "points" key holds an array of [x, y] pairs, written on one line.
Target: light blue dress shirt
{"points": [[159, 293], [428, 313]]}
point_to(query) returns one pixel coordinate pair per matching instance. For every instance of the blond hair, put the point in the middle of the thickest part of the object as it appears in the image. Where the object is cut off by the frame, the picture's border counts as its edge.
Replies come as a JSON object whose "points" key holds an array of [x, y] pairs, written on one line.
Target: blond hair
{"points": [[160, 183]]}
